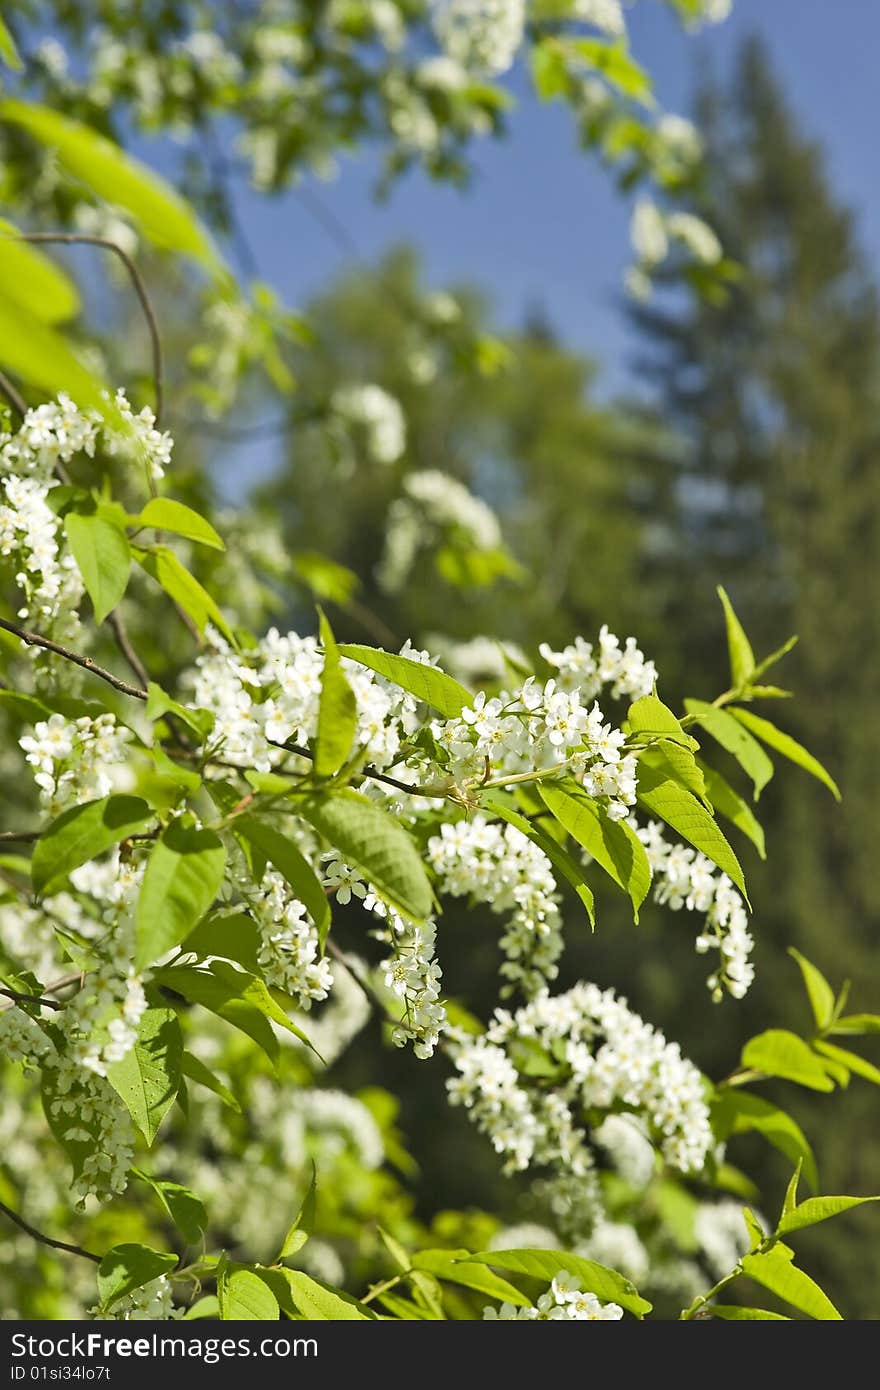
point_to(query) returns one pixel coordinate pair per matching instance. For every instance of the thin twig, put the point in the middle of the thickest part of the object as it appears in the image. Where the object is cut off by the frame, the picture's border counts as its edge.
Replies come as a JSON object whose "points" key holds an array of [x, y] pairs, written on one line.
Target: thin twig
{"points": [[20, 837], [13, 395], [37, 999], [123, 642], [33, 639], [48, 1240], [411, 789], [77, 979], [140, 289]]}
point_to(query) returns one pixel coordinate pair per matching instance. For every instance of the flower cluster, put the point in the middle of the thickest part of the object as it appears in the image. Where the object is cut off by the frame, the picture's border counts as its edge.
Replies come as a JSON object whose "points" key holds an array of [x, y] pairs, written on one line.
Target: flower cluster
{"points": [[652, 233], [433, 507], [497, 865], [289, 951], [564, 1300], [375, 412], [722, 1235], [74, 758], [600, 1056], [683, 878], [483, 35]]}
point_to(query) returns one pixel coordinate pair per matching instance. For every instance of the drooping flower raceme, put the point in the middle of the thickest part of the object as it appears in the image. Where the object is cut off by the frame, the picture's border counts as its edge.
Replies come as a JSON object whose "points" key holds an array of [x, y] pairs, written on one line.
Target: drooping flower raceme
{"points": [[432, 508], [483, 35], [378, 414], [565, 1300]]}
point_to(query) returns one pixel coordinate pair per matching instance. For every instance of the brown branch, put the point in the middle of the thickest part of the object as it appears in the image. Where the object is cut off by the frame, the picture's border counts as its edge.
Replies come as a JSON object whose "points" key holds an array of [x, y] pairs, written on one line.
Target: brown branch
{"points": [[48, 1240], [123, 642], [37, 999], [22, 837], [13, 395], [33, 639], [435, 793], [140, 289]]}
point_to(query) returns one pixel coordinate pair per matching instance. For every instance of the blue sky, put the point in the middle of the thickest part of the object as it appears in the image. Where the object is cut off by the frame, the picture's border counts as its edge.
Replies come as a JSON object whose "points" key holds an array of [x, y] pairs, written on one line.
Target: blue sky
{"points": [[542, 223]]}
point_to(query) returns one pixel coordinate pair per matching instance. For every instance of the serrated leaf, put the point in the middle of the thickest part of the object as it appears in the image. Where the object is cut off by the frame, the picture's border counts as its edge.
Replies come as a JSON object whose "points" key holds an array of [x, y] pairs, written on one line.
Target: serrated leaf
{"points": [[850, 1060], [457, 1267], [376, 843], [816, 1209], [613, 844], [128, 1267], [649, 716], [787, 746], [730, 804], [171, 575], [337, 709], [776, 1272], [164, 514], [736, 740], [428, 684], [103, 557], [234, 936], [734, 1312], [670, 760], [304, 1224], [83, 833], [195, 1069], [556, 853], [293, 867], [33, 280], [160, 213], [742, 658], [819, 992], [314, 1300], [735, 1111], [240, 998], [546, 1264], [777, 1052], [184, 1208], [244, 1297], [662, 797], [181, 881], [147, 1078]]}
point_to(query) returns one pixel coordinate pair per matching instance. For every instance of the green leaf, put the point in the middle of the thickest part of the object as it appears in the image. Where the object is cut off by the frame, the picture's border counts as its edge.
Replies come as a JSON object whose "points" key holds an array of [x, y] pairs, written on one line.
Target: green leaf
{"points": [[649, 716], [103, 557], [377, 844], [304, 1224], [457, 1267], [816, 1209], [851, 1060], [856, 1023], [160, 213], [128, 1267], [240, 998], [244, 1297], [8, 51], [790, 1200], [207, 1307], [164, 514], [776, 1272], [196, 1070], [314, 1300], [756, 1232], [434, 687], [148, 1076], [730, 804], [201, 721], [546, 1264], [25, 707], [613, 844], [666, 800], [33, 280], [337, 709], [182, 879], [736, 740], [670, 760], [549, 72], [163, 565], [819, 992], [82, 833], [616, 64], [557, 854], [734, 1312], [787, 746], [293, 867], [234, 936], [327, 580], [185, 1209], [742, 658], [38, 354], [735, 1111], [778, 1052], [771, 660]]}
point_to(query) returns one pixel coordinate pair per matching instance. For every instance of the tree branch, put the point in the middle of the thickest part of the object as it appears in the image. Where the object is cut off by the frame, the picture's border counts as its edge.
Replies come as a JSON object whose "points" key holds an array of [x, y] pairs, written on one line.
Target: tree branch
{"points": [[123, 642], [436, 793], [140, 289], [37, 999], [33, 639], [48, 1240], [12, 394]]}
